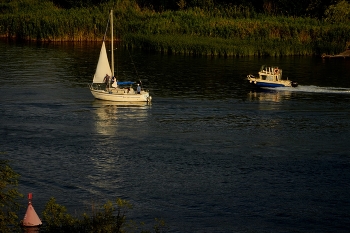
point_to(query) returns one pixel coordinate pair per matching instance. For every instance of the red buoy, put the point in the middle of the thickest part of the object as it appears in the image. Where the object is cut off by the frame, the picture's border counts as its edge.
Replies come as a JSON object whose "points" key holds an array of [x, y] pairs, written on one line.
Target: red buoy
{"points": [[31, 219]]}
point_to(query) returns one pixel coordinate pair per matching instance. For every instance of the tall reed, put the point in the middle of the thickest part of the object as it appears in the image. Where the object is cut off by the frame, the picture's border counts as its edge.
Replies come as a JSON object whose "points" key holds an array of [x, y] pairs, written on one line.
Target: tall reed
{"points": [[230, 31]]}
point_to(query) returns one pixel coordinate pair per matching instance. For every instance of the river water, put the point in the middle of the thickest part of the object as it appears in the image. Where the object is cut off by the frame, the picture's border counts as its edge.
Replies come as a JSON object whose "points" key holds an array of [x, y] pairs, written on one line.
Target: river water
{"points": [[210, 154]]}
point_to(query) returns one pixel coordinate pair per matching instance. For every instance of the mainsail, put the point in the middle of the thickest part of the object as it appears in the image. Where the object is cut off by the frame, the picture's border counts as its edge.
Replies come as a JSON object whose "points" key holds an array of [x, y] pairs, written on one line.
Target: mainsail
{"points": [[103, 67]]}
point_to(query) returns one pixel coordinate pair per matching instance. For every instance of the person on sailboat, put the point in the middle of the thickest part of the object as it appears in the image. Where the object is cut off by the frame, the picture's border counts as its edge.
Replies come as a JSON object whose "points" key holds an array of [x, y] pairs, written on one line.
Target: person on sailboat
{"points": [[114, 82], [138, 89], [106, 80]]}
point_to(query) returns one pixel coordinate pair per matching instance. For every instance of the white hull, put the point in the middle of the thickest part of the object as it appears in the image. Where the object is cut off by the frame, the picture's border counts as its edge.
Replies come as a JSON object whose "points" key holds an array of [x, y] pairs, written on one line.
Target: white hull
{"points": [[127, 97]]}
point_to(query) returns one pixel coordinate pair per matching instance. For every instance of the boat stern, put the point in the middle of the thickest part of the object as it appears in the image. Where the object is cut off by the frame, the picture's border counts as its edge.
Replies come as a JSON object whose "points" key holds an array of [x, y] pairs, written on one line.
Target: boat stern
{"points": [[293, 84]]}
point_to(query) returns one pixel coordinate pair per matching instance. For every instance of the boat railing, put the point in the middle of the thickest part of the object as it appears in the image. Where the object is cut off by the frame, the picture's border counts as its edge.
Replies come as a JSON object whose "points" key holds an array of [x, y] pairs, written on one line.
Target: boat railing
{"points": [[271, 71], [96, 86]]}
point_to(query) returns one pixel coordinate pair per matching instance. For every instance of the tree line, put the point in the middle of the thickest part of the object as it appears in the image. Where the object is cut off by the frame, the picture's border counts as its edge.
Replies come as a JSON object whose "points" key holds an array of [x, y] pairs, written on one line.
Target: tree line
{"points": [[198, 27], [305, 8]]}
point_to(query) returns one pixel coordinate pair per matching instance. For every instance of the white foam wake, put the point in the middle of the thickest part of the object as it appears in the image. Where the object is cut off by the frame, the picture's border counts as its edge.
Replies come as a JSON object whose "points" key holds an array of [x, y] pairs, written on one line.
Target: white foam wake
{"points": [[314, 89]]}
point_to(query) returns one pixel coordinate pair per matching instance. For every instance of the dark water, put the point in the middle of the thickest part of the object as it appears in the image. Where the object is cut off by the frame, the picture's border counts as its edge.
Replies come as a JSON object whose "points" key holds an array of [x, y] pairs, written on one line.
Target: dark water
{"points": [[210, 154]]}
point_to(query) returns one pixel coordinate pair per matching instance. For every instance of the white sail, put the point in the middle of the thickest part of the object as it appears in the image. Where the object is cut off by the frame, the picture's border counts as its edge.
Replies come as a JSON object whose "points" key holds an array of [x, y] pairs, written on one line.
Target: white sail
{"points": [[103, 67], [117, 92]]}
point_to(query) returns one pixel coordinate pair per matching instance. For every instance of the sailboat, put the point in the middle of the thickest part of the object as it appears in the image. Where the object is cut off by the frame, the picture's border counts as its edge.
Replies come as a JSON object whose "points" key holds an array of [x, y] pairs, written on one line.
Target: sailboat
{"points": [[105, 85]]}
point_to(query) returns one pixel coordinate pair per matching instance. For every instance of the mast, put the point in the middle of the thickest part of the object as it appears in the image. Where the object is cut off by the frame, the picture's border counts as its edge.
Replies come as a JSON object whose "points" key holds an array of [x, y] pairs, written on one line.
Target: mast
{"points": [[112, 50]]}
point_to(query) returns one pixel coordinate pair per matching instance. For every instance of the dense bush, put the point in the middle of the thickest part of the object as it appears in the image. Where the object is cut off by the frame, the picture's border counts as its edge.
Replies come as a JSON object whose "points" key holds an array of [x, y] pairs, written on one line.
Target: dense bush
{"points": [[338, 13], [9, 198]]}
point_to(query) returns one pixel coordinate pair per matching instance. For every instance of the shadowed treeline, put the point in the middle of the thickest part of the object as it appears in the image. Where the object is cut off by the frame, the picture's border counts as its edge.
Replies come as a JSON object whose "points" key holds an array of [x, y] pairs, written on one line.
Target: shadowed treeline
{"points": [[224, 30]]}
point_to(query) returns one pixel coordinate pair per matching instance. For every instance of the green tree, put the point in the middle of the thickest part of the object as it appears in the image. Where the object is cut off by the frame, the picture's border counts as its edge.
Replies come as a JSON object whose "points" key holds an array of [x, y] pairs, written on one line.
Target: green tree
{"points": [[338, 13], [181, 4], [9, 197], [56, 218], [110, 218]]}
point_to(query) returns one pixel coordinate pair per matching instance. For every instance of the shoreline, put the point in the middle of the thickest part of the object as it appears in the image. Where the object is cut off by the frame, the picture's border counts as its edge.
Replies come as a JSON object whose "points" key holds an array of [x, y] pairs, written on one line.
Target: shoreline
{"points": [[345, 54]]}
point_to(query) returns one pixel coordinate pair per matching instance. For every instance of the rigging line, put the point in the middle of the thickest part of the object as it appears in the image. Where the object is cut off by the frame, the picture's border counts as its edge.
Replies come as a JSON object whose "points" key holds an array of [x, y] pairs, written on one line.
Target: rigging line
{"points": [[137, 74], [104, 37], [116, 74]]}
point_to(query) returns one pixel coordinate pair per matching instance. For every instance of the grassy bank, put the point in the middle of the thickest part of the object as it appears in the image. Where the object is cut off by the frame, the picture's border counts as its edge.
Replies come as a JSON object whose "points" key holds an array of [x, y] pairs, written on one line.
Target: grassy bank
{"points": [[40, 20], [196, 45], [224, 32]]}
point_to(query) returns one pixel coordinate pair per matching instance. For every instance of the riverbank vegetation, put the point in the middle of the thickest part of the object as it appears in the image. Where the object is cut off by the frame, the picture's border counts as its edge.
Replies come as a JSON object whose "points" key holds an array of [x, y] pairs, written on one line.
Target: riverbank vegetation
{"points": [[196, 27], [111, 217], [9, 197]]}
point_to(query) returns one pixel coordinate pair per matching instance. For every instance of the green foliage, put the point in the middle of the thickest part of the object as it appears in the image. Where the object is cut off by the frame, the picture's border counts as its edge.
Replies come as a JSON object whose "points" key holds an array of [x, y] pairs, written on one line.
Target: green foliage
{"points": [[181, 4], [56, 218], [312, 8], [160, 226], [9, 197], [339, 13], [41, 20], [202, 27], [194, 32], [111, 217]]}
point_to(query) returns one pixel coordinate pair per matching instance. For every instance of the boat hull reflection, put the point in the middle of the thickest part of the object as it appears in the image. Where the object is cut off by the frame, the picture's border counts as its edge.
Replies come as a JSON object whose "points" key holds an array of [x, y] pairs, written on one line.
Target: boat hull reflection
{"points": [[112, 118], [269, 95]]}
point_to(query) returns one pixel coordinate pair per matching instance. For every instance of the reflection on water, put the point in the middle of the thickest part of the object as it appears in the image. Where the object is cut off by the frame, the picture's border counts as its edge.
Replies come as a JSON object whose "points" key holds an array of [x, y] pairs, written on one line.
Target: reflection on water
{"points": [[269, 95], [116, 123], [139, 105], [110, 115]]}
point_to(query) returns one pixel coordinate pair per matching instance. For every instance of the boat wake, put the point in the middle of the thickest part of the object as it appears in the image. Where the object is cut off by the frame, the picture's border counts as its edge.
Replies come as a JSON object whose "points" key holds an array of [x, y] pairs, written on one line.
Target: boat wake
{"points": [[313, 89]]}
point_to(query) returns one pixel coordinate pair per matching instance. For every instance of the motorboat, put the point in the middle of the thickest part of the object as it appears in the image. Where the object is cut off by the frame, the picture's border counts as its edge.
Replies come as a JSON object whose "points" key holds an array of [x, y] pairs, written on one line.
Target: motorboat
{"points": [[270, 77]]}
